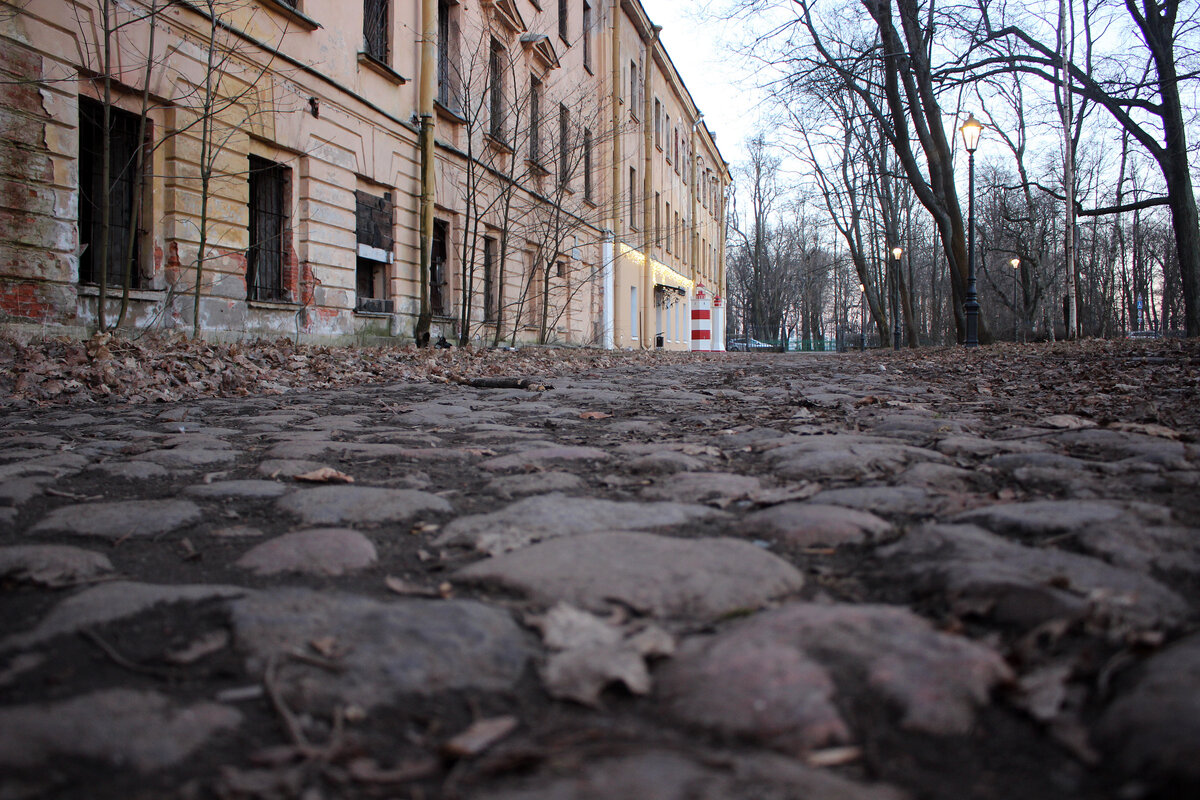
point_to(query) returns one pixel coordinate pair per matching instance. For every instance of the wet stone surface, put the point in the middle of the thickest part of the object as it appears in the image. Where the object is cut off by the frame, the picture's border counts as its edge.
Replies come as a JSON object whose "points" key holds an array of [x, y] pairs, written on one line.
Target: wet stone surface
{"points": [[738, 577]]}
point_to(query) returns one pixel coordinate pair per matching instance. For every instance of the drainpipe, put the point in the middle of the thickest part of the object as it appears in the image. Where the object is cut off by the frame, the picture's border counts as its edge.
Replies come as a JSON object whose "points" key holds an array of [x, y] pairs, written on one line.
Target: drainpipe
{"points": [[649, 322], [615, 89], [429, 37], [722, 288], [695, 268], [606, 258]]}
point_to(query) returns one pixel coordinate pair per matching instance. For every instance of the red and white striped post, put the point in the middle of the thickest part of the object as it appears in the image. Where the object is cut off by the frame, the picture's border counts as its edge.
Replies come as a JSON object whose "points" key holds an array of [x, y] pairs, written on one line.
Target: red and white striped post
{"points": [[701, 319]]}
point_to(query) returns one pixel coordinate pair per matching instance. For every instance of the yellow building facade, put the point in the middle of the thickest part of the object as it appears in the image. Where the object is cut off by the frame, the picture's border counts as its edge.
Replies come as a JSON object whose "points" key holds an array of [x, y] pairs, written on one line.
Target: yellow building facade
{"points": [[265, 172]]}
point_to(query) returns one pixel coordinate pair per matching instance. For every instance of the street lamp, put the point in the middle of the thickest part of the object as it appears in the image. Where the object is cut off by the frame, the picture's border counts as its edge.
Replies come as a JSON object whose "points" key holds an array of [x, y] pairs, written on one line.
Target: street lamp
{"points": [[1016, 265], [862, 318], [970, 131], [896, 252]]}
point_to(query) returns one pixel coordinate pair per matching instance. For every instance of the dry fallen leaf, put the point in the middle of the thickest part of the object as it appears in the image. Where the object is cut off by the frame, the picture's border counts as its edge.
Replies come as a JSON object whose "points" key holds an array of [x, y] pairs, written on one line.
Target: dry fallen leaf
{"points": [[403, 587], [324, 475], [206, 645], [833, 756], [479, 737], [1148, 429], [594, 415], [1068, 422]]}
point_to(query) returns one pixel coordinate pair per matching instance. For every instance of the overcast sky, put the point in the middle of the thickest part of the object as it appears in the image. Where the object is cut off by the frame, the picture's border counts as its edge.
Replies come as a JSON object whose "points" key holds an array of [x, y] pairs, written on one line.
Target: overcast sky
{"points": [[712, 74]]}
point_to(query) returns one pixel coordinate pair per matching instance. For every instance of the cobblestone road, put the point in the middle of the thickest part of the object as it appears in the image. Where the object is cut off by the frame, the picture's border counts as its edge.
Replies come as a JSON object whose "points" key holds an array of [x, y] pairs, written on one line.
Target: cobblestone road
{"points": [[765, 577]]}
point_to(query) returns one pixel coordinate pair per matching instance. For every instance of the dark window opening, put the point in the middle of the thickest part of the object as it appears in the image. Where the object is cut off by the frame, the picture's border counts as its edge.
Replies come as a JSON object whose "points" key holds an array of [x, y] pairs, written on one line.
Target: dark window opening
{"points": [[374, 233], [125, 171], [375, 29], [633, 198], [268, 222], [489, 279], [496, 90], [563, 20], [587, 165], [447, 45], [438, 288], [535, 120], [587, 36], [564, 144]]}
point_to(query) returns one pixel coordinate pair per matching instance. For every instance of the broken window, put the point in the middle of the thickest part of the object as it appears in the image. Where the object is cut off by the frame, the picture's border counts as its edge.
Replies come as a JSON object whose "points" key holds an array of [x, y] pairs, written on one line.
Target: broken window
{"points": [[125, 171], [489, 279], [374, 225], [438, 269], [269, 184]]}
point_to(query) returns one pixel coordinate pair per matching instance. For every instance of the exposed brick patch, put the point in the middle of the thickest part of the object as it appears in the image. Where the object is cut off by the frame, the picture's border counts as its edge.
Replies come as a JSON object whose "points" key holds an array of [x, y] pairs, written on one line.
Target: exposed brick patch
{"points": [[27, 300]]}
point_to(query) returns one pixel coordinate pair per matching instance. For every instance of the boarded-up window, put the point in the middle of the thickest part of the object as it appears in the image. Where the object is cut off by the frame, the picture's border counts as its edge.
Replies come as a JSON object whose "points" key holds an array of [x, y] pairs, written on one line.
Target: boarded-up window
{"points": [[125, 172], [268, 223], [373, 216]]}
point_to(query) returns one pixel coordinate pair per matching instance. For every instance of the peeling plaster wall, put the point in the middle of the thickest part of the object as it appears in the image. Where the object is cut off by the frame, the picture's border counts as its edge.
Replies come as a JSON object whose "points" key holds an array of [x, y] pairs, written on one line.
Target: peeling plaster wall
{"points": [[294, 92]]}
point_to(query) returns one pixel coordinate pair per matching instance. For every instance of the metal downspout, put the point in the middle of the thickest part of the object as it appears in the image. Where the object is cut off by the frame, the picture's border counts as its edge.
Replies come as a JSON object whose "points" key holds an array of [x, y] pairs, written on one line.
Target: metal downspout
{"points": [[649, 321], [429, 37]]}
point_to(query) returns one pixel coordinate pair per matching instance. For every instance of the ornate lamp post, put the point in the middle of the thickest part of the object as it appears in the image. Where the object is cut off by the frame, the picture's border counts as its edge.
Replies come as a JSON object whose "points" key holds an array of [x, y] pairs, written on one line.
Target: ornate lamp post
{"points": [[862, 318], [896, 253], [970, 131], [1016, 265]]}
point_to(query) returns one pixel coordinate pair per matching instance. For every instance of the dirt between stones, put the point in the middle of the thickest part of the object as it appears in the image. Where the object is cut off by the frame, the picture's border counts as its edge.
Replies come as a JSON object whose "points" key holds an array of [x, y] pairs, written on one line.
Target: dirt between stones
{"points": [[910, 594]]}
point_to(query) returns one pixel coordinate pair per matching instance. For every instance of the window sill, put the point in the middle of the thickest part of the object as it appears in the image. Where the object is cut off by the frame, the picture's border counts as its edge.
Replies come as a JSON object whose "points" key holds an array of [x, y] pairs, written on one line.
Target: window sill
{"points": [[373, 63], [535, 168], [446, 111], [273, 305], [293, 14], [372, 314], [498, 143], [114, 293]]}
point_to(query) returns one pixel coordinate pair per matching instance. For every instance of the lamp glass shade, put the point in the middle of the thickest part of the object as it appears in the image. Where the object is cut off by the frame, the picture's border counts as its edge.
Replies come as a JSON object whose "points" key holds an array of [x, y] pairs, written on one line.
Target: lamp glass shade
{"points": [[970, 130], [862, 288], [1016, 262], [897, 252]]}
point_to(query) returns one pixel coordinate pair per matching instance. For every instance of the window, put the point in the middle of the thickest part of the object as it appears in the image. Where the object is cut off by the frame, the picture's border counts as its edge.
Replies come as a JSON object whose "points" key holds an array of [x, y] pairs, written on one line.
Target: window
{"points": [[563, 20], [667, 127], [373, 222], [375, 29], [535, 120], [633, 198], [438, 271], [658, 215], [564, 143], [634, 83], [269, 183], [676, 234], [658, 123], [668, 233], [676, 149], [561, 269], [587, 165], [587, 35], [447, 89], [489, 279], [125, 161], [633, 313], [496, 90]]}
